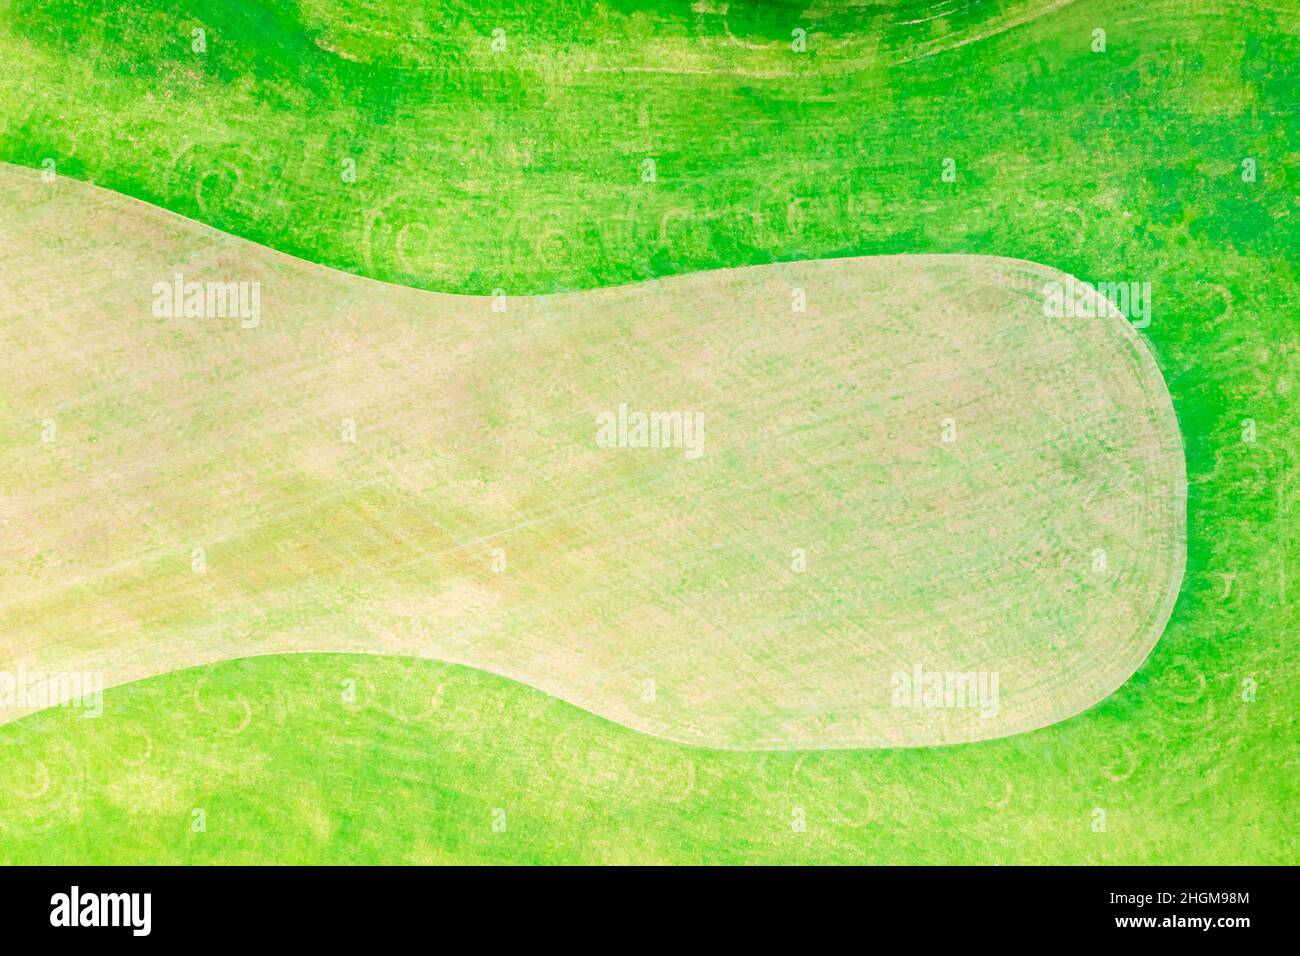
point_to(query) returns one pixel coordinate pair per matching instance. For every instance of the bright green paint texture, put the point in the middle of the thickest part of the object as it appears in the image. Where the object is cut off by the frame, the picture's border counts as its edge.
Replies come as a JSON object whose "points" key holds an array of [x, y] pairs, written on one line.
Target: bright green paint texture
{"points": [[522, 171]]}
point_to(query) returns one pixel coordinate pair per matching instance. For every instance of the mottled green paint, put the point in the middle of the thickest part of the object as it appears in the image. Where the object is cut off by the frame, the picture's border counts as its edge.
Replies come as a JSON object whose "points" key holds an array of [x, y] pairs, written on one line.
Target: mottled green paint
{"points": [[1122, 165]]}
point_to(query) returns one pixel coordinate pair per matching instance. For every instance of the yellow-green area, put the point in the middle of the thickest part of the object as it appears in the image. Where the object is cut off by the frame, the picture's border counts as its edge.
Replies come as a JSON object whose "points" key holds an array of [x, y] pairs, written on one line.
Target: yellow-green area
{"points": [[285, 766], [1167, 157]]}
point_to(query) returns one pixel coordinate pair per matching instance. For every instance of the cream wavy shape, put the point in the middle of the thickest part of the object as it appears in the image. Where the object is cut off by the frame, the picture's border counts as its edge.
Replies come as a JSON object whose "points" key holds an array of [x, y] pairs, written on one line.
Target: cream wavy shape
{"points": [[476, 519]]}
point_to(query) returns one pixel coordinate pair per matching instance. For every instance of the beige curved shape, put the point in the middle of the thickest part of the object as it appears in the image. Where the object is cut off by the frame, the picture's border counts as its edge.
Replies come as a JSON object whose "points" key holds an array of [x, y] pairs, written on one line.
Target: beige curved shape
{"points": [[767, 594]]}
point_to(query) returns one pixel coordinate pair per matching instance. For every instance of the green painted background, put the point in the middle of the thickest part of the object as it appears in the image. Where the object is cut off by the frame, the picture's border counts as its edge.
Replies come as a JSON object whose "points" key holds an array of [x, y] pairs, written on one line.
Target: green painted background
{"points": [[521, 171]]}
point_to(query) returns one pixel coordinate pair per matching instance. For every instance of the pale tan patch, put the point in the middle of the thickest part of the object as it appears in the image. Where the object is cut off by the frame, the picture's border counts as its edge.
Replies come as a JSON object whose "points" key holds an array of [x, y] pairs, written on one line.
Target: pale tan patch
{"points": [[652, 589]]}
